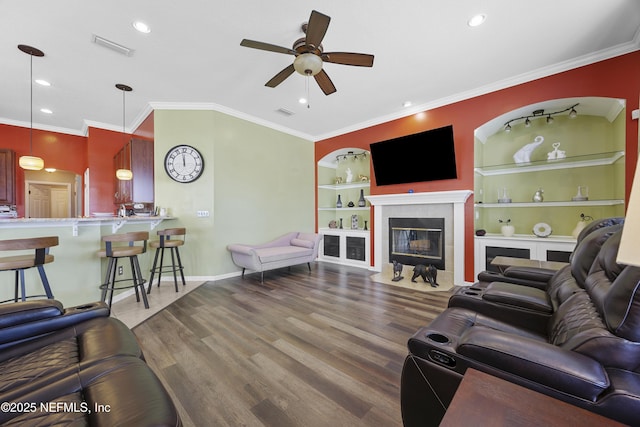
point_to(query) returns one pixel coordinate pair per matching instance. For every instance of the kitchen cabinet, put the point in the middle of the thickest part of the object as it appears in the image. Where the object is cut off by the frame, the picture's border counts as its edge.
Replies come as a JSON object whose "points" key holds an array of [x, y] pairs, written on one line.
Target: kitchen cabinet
{"points": [[137, 156], [7, 177]]}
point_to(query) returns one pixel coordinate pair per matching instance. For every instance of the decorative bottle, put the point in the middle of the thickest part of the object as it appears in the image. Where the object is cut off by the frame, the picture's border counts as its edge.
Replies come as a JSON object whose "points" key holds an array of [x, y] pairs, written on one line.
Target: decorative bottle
{"points": [[361, 202], [339, 202], [537, 196]]}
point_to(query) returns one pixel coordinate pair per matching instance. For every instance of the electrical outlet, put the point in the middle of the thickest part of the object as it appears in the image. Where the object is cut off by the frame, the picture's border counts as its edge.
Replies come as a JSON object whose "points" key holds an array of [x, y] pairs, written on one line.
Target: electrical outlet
{"points": [[120, 270], [202, 214]]}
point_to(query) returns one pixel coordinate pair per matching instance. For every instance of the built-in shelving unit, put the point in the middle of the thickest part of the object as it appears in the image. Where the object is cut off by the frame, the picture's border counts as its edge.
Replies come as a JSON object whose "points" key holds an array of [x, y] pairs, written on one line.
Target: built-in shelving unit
{"points": [[344, 174], [592, 161]]}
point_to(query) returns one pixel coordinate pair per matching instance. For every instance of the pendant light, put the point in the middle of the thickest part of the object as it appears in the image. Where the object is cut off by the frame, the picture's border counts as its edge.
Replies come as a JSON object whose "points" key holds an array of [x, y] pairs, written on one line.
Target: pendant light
{"points": [[31, 162], [124, 174]]}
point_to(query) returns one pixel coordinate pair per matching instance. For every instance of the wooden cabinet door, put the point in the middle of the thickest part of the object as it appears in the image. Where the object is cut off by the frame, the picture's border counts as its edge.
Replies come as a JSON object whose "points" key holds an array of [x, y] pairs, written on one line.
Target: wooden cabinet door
{"points": [[137, 156], [142, 167], [7, 177]]}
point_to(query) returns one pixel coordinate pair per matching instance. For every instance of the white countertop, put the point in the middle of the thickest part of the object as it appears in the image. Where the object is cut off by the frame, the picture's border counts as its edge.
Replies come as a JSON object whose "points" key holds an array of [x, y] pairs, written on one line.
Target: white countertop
{"points": [[115, 221]]}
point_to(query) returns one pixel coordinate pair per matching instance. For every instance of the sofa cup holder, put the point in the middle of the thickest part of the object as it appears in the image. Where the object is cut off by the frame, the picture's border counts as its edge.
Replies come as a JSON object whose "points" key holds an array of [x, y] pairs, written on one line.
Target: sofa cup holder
{"points": [[475, 294], [438, 338]]}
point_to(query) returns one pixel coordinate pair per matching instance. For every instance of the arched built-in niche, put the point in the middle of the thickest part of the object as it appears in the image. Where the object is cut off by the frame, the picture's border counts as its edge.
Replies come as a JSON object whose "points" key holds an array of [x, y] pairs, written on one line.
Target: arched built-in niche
{"points": [[586, 151], [343, 180]]}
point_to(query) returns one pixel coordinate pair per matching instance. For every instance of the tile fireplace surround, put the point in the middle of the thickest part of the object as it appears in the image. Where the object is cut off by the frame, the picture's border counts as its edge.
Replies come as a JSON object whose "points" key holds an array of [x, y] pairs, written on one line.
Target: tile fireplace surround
{"points": [[443, 204]]}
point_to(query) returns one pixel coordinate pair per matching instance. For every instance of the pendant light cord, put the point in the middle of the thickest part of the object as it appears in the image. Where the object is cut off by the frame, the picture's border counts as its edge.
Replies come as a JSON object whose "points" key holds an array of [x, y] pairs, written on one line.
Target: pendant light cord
{"points": [[31, 107]]}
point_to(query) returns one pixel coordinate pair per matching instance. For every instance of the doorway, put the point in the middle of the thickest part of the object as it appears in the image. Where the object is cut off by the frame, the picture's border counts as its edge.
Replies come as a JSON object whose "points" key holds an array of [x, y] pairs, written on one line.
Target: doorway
{"points": [[48, 200], [52, 194]]}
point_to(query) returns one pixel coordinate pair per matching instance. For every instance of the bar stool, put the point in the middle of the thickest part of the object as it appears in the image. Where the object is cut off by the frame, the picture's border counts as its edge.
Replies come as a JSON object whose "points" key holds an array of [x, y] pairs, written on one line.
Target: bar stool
{"points": [[19, 263], [166, 242], [114, 253]]}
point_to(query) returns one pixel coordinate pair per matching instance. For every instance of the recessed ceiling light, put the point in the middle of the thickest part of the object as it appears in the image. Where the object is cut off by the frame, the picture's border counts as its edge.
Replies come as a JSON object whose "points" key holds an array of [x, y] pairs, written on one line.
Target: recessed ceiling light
{"points": [[406, 104], [477, 20], [43, 82], [302, 100], [46, 111], [142, 27]]}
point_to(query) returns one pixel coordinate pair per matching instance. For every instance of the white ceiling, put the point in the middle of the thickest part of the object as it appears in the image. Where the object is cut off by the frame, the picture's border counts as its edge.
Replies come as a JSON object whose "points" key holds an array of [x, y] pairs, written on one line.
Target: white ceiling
{"points": [[424, 53]]}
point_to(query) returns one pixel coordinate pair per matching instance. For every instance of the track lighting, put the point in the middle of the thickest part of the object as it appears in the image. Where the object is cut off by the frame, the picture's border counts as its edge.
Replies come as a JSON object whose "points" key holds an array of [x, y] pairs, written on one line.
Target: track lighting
{"points": [[536, 114], [351, 154], [573, 113]]}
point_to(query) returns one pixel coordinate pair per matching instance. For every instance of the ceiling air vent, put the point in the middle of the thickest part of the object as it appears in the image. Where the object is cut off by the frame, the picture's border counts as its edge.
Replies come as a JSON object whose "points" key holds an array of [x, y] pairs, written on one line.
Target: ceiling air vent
{"points": [[284, 112], [101, 41]]}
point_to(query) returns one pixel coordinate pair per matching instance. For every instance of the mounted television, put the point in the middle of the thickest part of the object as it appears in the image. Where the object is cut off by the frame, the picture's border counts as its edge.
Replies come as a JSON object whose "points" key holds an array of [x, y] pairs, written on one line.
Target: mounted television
{"points": [[424, 156]]}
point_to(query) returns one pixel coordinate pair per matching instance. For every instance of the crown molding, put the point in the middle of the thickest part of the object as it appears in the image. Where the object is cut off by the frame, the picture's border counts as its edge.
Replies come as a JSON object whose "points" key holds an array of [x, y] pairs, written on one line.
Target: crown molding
{"points": [[557, 68], [210, 106]]}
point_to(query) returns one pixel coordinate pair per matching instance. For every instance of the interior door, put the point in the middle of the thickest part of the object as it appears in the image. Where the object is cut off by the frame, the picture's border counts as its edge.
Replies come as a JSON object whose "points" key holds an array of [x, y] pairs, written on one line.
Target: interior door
{"points": [[60, 198], [39, 201]]}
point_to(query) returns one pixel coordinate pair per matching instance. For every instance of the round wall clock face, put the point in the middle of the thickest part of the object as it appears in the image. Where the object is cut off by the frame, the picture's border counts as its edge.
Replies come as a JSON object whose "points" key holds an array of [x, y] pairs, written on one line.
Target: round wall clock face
{"points": [[183, 163]]}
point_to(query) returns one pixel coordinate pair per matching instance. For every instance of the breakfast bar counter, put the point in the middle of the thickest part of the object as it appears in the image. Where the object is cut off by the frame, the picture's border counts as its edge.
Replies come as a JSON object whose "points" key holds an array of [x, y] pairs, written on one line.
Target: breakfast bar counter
{"points": [[76, 272]]}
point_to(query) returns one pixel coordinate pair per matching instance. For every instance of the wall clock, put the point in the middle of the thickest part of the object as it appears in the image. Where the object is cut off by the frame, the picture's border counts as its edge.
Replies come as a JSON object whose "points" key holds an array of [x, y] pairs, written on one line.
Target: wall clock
{"points": [[183, 163]]}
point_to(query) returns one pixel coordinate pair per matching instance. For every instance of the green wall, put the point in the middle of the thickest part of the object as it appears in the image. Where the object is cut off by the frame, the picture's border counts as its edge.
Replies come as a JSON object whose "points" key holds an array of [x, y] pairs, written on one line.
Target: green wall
{"points": [[582, 136], [258, 183]]}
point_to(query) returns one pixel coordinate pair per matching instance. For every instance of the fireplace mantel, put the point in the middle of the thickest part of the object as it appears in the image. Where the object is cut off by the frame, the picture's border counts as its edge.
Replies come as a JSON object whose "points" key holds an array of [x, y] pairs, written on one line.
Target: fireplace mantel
{"points": [[457, 198]]}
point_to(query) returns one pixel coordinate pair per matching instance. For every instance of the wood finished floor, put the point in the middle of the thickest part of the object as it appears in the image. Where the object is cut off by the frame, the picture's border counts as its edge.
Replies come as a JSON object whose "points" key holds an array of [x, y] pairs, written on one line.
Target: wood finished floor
{"points": [[324, 348]]}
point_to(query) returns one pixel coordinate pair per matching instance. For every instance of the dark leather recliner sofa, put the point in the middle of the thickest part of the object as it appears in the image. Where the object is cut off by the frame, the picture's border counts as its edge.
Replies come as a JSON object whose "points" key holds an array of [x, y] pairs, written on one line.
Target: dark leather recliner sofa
{"points": [[587, 355], [75, 366]]}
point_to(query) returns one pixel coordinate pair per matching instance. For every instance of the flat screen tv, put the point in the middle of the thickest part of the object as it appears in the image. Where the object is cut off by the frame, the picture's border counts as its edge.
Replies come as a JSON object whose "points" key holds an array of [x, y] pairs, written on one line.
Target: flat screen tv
{"points": [[424, 156]]}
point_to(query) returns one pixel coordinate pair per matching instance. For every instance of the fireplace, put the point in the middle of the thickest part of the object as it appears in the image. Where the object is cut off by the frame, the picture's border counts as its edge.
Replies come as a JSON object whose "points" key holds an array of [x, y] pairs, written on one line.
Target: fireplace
{"points": [[414, 241], [449, 205]]}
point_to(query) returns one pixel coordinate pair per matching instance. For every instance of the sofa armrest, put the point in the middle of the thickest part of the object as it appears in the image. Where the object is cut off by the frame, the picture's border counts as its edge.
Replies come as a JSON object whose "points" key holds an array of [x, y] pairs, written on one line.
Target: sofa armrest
{"points": [[241, 249], [536, 361], [28, 311], [23, 321], [542, 275]]}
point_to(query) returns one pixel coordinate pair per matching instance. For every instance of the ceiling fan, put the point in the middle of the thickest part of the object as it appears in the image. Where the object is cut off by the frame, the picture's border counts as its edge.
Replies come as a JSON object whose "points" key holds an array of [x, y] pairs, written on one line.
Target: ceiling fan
{"points": [[310, 56]]}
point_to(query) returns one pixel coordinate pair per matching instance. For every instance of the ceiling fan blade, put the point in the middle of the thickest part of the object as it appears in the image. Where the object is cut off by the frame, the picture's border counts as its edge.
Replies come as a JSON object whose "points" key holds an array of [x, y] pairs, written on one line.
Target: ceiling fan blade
{"points": [[316, 28], [280, 77], [325, 83], [267, 46], [347, 58]]}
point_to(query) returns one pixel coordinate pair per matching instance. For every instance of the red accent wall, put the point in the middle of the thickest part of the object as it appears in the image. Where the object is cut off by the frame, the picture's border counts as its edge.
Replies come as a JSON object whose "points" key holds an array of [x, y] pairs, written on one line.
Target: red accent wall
{"points": [[617, 78], [59, 150], [72, 153], [146, 128]]}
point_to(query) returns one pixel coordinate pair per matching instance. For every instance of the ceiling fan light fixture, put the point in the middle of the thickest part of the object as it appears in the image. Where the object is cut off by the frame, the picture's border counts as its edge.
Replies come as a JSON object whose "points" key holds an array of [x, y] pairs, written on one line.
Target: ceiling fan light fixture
{"points": [[308, 64]]}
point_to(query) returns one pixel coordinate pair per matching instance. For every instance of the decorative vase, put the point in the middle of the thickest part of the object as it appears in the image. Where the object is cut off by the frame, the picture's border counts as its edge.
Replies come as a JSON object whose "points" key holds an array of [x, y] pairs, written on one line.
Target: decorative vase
{"points": [[537, 196], [339, 202], [340, 224], [503, 196], [582, 195], [507, 230], [582, 223], [361, 202]]}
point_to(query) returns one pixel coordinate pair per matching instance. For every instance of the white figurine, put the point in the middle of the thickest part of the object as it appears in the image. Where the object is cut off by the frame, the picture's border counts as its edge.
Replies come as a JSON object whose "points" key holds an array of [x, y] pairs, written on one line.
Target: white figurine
{"points": [[523, 155], [349, 175]]}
